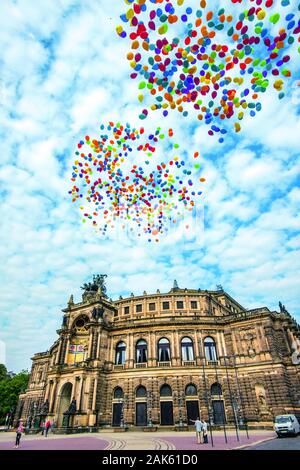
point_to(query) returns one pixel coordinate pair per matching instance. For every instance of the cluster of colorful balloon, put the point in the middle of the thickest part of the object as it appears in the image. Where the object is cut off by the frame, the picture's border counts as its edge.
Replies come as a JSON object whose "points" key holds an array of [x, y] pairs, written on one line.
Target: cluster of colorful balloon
{"points": [[112, 186], [219, 63]]}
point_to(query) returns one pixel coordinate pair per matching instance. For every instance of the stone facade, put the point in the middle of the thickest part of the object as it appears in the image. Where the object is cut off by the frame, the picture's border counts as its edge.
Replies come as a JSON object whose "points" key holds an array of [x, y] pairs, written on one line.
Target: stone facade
{"points": [[162, 359]]}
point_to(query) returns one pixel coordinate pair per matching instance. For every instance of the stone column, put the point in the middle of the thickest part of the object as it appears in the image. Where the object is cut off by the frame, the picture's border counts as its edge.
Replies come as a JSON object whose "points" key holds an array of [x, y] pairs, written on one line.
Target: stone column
{"points": [[223, 343], [201, 345], [98, 345], [81, 393], [112, 352], [176, 348], [220, 345], [47, 392], [59, 350], [131, 351], [53, 396], [67, 349], [90, 342], [196, 346], [94, 403], [77, 390], [151, 349]]}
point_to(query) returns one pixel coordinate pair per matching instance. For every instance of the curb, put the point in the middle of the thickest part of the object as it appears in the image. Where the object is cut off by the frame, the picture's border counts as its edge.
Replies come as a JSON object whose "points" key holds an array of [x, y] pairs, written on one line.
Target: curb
{"points": [[253, 443]]}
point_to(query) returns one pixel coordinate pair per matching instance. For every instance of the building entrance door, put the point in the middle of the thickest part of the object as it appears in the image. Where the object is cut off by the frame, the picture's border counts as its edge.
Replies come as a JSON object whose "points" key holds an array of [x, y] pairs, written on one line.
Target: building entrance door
{"points": [[166, 413], [141, 414], [117, 413], [219, 411], [192, 410], [64, 401]]}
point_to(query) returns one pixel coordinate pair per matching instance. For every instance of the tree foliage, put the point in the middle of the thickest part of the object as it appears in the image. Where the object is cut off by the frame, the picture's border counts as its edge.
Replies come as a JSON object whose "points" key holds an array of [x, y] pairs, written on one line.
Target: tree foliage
{"points": [[10, 388]]}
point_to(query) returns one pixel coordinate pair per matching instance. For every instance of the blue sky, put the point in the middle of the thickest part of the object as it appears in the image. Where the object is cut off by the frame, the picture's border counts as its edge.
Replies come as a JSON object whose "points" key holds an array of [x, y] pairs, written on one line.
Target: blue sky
{"points": [[63, 72]]}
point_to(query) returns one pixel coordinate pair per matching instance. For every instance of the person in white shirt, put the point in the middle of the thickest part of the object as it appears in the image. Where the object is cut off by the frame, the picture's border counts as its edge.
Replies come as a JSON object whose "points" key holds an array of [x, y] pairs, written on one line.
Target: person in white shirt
{"points": [[198, 426]]}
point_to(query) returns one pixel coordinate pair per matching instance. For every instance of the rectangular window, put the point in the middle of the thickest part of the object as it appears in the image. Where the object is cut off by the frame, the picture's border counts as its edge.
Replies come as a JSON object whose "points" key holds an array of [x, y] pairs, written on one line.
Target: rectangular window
{"points": [[179, 304], [152, 306], [126, 310], [139, 308], [166, 305], [193, 304]]}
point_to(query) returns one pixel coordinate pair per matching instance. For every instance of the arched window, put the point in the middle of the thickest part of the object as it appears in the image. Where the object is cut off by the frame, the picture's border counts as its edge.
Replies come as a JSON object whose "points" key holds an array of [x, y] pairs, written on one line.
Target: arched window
{"points": [[120, 353], [141, 392], [141, 351], [187, 349], [164, 354], [210, 349], [216, 389], [80, 324], [165, 391], [118, 392], [190, 390]]}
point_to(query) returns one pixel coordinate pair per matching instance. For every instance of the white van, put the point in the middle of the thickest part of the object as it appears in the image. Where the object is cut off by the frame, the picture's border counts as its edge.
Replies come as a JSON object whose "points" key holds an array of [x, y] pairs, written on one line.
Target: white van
{"points": [[286, 424]]}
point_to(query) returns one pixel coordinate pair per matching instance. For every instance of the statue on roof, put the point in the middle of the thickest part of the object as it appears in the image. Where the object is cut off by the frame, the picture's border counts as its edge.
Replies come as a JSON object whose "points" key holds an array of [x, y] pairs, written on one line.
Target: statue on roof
{"points": [[283, 309], [97, 285], [97, 313], [175, 285]]}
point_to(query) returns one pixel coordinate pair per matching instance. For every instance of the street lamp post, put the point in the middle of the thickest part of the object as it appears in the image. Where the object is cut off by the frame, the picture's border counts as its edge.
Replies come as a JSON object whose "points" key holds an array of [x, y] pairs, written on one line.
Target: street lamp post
{"points": [[181, 397], [240, 398], [207, 401], [149, 409], [231, 401]]}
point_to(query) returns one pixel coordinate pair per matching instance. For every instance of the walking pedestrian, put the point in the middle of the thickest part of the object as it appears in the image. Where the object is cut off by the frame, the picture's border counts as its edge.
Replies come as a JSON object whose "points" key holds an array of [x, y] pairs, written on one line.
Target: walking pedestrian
{"points": [[47, 427], [204, 431], [198, 426], [20, 431]]}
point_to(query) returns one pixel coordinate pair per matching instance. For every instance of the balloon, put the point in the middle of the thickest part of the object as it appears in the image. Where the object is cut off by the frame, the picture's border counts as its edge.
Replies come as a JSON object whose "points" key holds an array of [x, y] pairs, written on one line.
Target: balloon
{"points": [[218, 66], [111, 186]]}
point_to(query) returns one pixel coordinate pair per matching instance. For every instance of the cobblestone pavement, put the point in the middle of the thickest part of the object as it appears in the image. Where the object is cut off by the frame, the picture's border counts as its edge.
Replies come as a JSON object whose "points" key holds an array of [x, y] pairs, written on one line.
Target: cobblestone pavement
{"points": [[285, 443], [133, 441]]}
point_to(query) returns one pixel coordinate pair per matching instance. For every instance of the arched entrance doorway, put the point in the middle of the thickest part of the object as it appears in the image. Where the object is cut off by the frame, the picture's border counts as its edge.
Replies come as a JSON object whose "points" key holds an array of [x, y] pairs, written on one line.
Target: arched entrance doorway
{"points": [[166, 406], [192, 403], [219, 416], [118, 404], [64, 401], [141, 406]]}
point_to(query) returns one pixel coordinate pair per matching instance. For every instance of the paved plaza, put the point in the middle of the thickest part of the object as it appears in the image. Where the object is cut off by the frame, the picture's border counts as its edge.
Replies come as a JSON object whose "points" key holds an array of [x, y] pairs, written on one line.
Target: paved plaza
{"points": [[167, 440]]}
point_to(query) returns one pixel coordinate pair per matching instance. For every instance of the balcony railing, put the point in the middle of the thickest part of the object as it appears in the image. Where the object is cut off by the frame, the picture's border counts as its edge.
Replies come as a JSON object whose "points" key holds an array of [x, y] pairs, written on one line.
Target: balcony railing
{"points": [[118, 366], [188, 363], [164, 364], [141, 365], [211, 363]]}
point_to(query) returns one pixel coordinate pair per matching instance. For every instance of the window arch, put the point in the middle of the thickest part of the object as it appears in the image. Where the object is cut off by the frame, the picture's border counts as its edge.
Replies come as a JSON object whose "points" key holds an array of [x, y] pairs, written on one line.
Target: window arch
{"points": [[210, 349], [120, 353], [141, 350], [216, 389], [164, 352], [80, 324], [187, 349], [118, 392], [190, 390], [165, 391], [141, 392]]}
